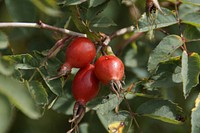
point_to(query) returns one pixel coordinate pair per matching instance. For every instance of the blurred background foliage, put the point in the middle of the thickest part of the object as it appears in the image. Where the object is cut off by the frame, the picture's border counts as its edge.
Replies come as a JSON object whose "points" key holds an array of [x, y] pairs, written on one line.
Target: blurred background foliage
{"points": [[135, 55]]}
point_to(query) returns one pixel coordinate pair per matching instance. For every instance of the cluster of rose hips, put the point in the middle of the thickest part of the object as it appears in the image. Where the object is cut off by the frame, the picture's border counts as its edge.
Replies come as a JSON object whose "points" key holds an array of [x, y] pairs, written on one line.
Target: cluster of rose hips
{"points": [[107, 69]]}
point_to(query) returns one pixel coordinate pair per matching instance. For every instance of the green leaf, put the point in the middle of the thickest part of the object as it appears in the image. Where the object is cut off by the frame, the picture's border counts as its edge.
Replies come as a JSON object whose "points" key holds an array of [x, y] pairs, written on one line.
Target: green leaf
{"points": [[110, 119], [196, 116], [190, 71], [193, 2], [191, 32], [161, 21], [18, 95], [185, 9], [21, 10], [106, 105], [192, 19], [72, 2], [144, 89], [6, 112], [119, 2], [56, 86], [38, 92], [168, 73], [129, 59], [48, 8], [84, 127], [64, 105], [22, 61], [163, 51], [3, 41], [102, 22], [163, 110], [94, 3], [6, 68], [94, 11], [81, 26], [46, 71]]}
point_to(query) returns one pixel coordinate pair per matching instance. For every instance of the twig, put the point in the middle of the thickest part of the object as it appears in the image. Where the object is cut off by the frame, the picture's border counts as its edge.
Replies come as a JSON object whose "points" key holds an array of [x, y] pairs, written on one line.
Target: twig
{"points": [[163, 31], [122, 31], [117, 33], [193, 40], [40, 25]]}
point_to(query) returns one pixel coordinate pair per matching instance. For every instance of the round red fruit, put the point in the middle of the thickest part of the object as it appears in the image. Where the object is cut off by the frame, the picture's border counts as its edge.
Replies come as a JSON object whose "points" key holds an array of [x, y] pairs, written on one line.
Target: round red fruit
{"points": [[80, 52], [85, 85], [109, 68]]}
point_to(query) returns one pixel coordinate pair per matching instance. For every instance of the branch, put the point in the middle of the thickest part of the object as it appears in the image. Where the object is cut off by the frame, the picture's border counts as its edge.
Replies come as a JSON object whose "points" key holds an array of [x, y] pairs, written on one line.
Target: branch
{"points": [[193, 40], [118, 33], [40, 25], [122, 31]]}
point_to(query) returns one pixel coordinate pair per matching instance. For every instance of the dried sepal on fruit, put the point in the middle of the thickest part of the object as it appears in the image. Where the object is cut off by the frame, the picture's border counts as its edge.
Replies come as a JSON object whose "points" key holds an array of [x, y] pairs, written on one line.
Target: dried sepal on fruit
{"points": [[78, 113], [85, 87]]}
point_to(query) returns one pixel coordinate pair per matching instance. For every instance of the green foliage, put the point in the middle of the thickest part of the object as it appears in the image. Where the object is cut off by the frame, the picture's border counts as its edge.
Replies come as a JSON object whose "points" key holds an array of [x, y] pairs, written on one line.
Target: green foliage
{"points": [[195, 117], [163, 51], [64, 105], [21, 12], [191, 32], [103, 22], [144, 23], [168, 74], [94, 3], [185, 9], [162, 110], [71, 2], [161, 74], [193, 2], [38, 92], [3, 41], [6, 113], [192, 19], [111, 117], [20, 98], [190, 71], [51, 11], [108, 104], [5, 67]]}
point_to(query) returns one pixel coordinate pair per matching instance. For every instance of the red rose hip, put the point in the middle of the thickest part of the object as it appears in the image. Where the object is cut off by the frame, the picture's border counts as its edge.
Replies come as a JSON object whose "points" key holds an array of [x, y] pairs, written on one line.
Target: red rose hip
{"points": [[85, 87], [110, 69], [80, 52]]}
